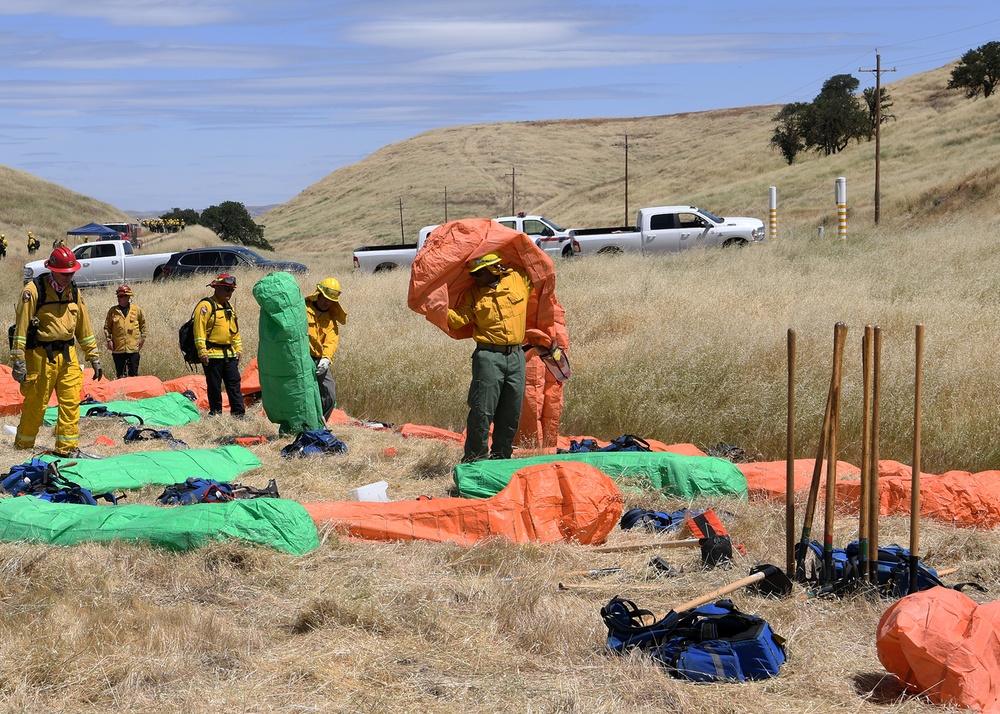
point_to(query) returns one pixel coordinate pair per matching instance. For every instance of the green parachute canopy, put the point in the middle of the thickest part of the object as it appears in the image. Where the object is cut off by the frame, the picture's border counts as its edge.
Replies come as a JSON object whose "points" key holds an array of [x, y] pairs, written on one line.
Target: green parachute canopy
{"points": [[170, 409]]}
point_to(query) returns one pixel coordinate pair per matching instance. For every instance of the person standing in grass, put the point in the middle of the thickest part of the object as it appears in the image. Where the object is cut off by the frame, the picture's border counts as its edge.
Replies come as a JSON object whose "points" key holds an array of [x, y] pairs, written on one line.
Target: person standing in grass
{"points": [[217, 338], [51, 316], [3, 246], [33, 243], [325, 314], [125, 332], [496, 305]]}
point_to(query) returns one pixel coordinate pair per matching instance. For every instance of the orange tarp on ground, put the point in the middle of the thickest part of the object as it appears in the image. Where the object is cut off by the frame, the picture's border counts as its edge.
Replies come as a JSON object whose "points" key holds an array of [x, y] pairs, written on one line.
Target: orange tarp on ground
{"points": [[195, 382], [108, 390], [419, 431], [943, 645], [957, 497], [544, 503]]}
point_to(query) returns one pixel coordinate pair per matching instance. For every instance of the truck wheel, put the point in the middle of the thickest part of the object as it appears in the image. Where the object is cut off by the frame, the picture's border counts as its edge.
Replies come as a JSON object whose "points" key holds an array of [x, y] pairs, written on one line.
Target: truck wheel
{"points": [[610, 250], [158, 275], [568, 252], [385, 267], [734, 243]]}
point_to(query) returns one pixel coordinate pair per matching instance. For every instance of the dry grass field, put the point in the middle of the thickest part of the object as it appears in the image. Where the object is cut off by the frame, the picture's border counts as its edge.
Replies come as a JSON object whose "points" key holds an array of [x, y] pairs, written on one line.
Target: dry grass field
{"points": [[686, 348]]}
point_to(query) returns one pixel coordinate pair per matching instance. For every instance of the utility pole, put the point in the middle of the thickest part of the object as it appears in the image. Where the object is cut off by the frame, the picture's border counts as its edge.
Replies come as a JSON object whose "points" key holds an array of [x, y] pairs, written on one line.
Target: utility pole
{"points": [[626, 146], [402, 236], [512, 174], [878, 126], [445, 204]]}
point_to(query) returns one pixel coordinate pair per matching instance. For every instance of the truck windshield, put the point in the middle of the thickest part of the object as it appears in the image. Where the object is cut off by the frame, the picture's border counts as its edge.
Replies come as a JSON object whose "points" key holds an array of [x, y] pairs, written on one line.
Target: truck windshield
{"points": [[708, 215], [553, 226]]}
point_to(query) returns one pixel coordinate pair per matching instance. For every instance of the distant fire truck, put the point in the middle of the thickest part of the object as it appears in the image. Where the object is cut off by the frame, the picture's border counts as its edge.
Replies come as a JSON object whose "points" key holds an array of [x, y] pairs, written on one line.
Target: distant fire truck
{"points": [[129, 231]]}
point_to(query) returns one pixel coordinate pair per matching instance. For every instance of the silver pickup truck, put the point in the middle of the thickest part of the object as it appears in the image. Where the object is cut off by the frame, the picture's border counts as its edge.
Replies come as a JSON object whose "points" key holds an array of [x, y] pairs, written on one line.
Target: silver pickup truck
{"points": [[107, 262], [668, 229]]}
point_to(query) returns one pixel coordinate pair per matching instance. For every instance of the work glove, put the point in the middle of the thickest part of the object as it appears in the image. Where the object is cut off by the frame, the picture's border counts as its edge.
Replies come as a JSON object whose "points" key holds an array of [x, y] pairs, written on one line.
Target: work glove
{"points": [[322, 365], [19, 371], [98, 370]]}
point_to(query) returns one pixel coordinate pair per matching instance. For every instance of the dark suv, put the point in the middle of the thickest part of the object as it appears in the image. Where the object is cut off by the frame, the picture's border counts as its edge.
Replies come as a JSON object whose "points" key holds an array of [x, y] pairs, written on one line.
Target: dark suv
{"points": [[223, 259]]}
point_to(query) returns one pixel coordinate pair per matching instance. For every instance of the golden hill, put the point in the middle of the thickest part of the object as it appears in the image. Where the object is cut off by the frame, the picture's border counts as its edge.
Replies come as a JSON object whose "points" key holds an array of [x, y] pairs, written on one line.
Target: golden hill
{"points": [[938, 157], [28, 203]]}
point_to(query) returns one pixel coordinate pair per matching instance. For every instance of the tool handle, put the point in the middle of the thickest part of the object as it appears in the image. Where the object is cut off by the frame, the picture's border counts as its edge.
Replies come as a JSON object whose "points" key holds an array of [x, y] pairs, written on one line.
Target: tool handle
{"points": [[715, 594], [687, 542]]}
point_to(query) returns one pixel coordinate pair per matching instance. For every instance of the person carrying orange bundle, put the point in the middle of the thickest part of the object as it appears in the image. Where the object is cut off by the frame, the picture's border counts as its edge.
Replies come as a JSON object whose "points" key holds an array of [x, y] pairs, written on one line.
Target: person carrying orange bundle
{"points": [[496, 305], [51, 316]]}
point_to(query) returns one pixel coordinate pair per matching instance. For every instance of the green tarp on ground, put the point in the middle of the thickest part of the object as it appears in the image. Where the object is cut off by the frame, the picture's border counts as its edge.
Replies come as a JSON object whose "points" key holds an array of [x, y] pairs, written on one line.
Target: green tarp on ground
{"points": [[276, 522], [287, 373], [163, 468], [170, 409], [674, 474]]}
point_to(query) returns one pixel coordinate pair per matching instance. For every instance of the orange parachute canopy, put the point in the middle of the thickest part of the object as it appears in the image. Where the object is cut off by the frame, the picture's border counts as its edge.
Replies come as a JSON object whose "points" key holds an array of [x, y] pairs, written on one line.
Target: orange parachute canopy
{"points": [[942, 644], [544, 503], [439, 276], [957, 497]]}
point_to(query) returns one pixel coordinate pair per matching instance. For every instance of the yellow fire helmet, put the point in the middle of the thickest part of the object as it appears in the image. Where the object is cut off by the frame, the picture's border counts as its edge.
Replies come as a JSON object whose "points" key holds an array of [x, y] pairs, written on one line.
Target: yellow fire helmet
{"points": [[330, 289], [483, 261]]}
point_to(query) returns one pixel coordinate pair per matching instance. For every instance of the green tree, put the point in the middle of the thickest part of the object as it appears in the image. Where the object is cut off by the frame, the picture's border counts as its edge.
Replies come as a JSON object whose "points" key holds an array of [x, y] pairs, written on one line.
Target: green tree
{"points": [[788, 137], [885, 114], [835, 116], [978, 71], [190, 216], [232, 223]]}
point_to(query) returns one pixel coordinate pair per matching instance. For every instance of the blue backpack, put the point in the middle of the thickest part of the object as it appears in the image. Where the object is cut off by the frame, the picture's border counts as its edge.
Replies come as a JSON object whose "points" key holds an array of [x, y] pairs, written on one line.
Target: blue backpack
{"points": [[628, 442], [893, 569], [37, 478], [656, 521], [207, 490], [718, 643], [314, 442], [712, 643], [145, 433]]}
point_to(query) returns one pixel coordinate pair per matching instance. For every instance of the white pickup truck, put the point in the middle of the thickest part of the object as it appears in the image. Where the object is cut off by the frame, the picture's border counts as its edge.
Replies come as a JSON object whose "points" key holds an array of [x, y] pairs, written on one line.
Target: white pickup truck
{"points": [[668, 229], [106, 263], [546, 234]]}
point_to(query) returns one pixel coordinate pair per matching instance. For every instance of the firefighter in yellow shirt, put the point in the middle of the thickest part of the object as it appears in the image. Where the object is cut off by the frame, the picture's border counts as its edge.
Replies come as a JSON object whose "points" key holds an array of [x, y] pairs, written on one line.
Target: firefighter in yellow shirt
{"points": [[325, 314], [125, 333], [33, 243], [497, 307], [50, 317], [3, 245], [217, 338]]}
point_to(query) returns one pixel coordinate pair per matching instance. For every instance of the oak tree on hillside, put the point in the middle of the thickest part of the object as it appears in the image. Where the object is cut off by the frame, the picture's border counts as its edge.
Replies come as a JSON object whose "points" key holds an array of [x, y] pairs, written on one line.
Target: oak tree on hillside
{"points": [[827, 124], [232, 223], [788, 136], [883, 111], [978, 71]]}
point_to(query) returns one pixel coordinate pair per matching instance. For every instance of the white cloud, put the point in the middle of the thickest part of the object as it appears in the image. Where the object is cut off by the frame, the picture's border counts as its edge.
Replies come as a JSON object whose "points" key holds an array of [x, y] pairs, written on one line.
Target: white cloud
{"points": [[133, 13]]}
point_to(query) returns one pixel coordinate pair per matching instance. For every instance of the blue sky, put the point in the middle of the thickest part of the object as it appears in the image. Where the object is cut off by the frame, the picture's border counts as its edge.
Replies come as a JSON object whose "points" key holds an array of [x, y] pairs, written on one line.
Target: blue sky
{"points": [[152, 104]]}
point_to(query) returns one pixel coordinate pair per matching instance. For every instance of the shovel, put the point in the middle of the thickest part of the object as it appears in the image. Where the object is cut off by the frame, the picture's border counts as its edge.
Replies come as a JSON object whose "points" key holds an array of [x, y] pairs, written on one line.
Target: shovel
{"points": [[764, 580]]}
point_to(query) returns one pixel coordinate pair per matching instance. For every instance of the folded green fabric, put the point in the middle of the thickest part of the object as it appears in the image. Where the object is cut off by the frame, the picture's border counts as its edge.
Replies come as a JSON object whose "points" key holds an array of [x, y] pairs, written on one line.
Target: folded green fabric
{"points": [[674, 474], [163, 468], [275, 522], [170, 409]]}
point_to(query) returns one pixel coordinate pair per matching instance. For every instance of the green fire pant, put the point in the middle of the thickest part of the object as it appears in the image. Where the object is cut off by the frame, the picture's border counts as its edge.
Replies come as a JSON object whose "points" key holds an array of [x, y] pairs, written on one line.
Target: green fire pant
{"points": [[495, 397]]}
